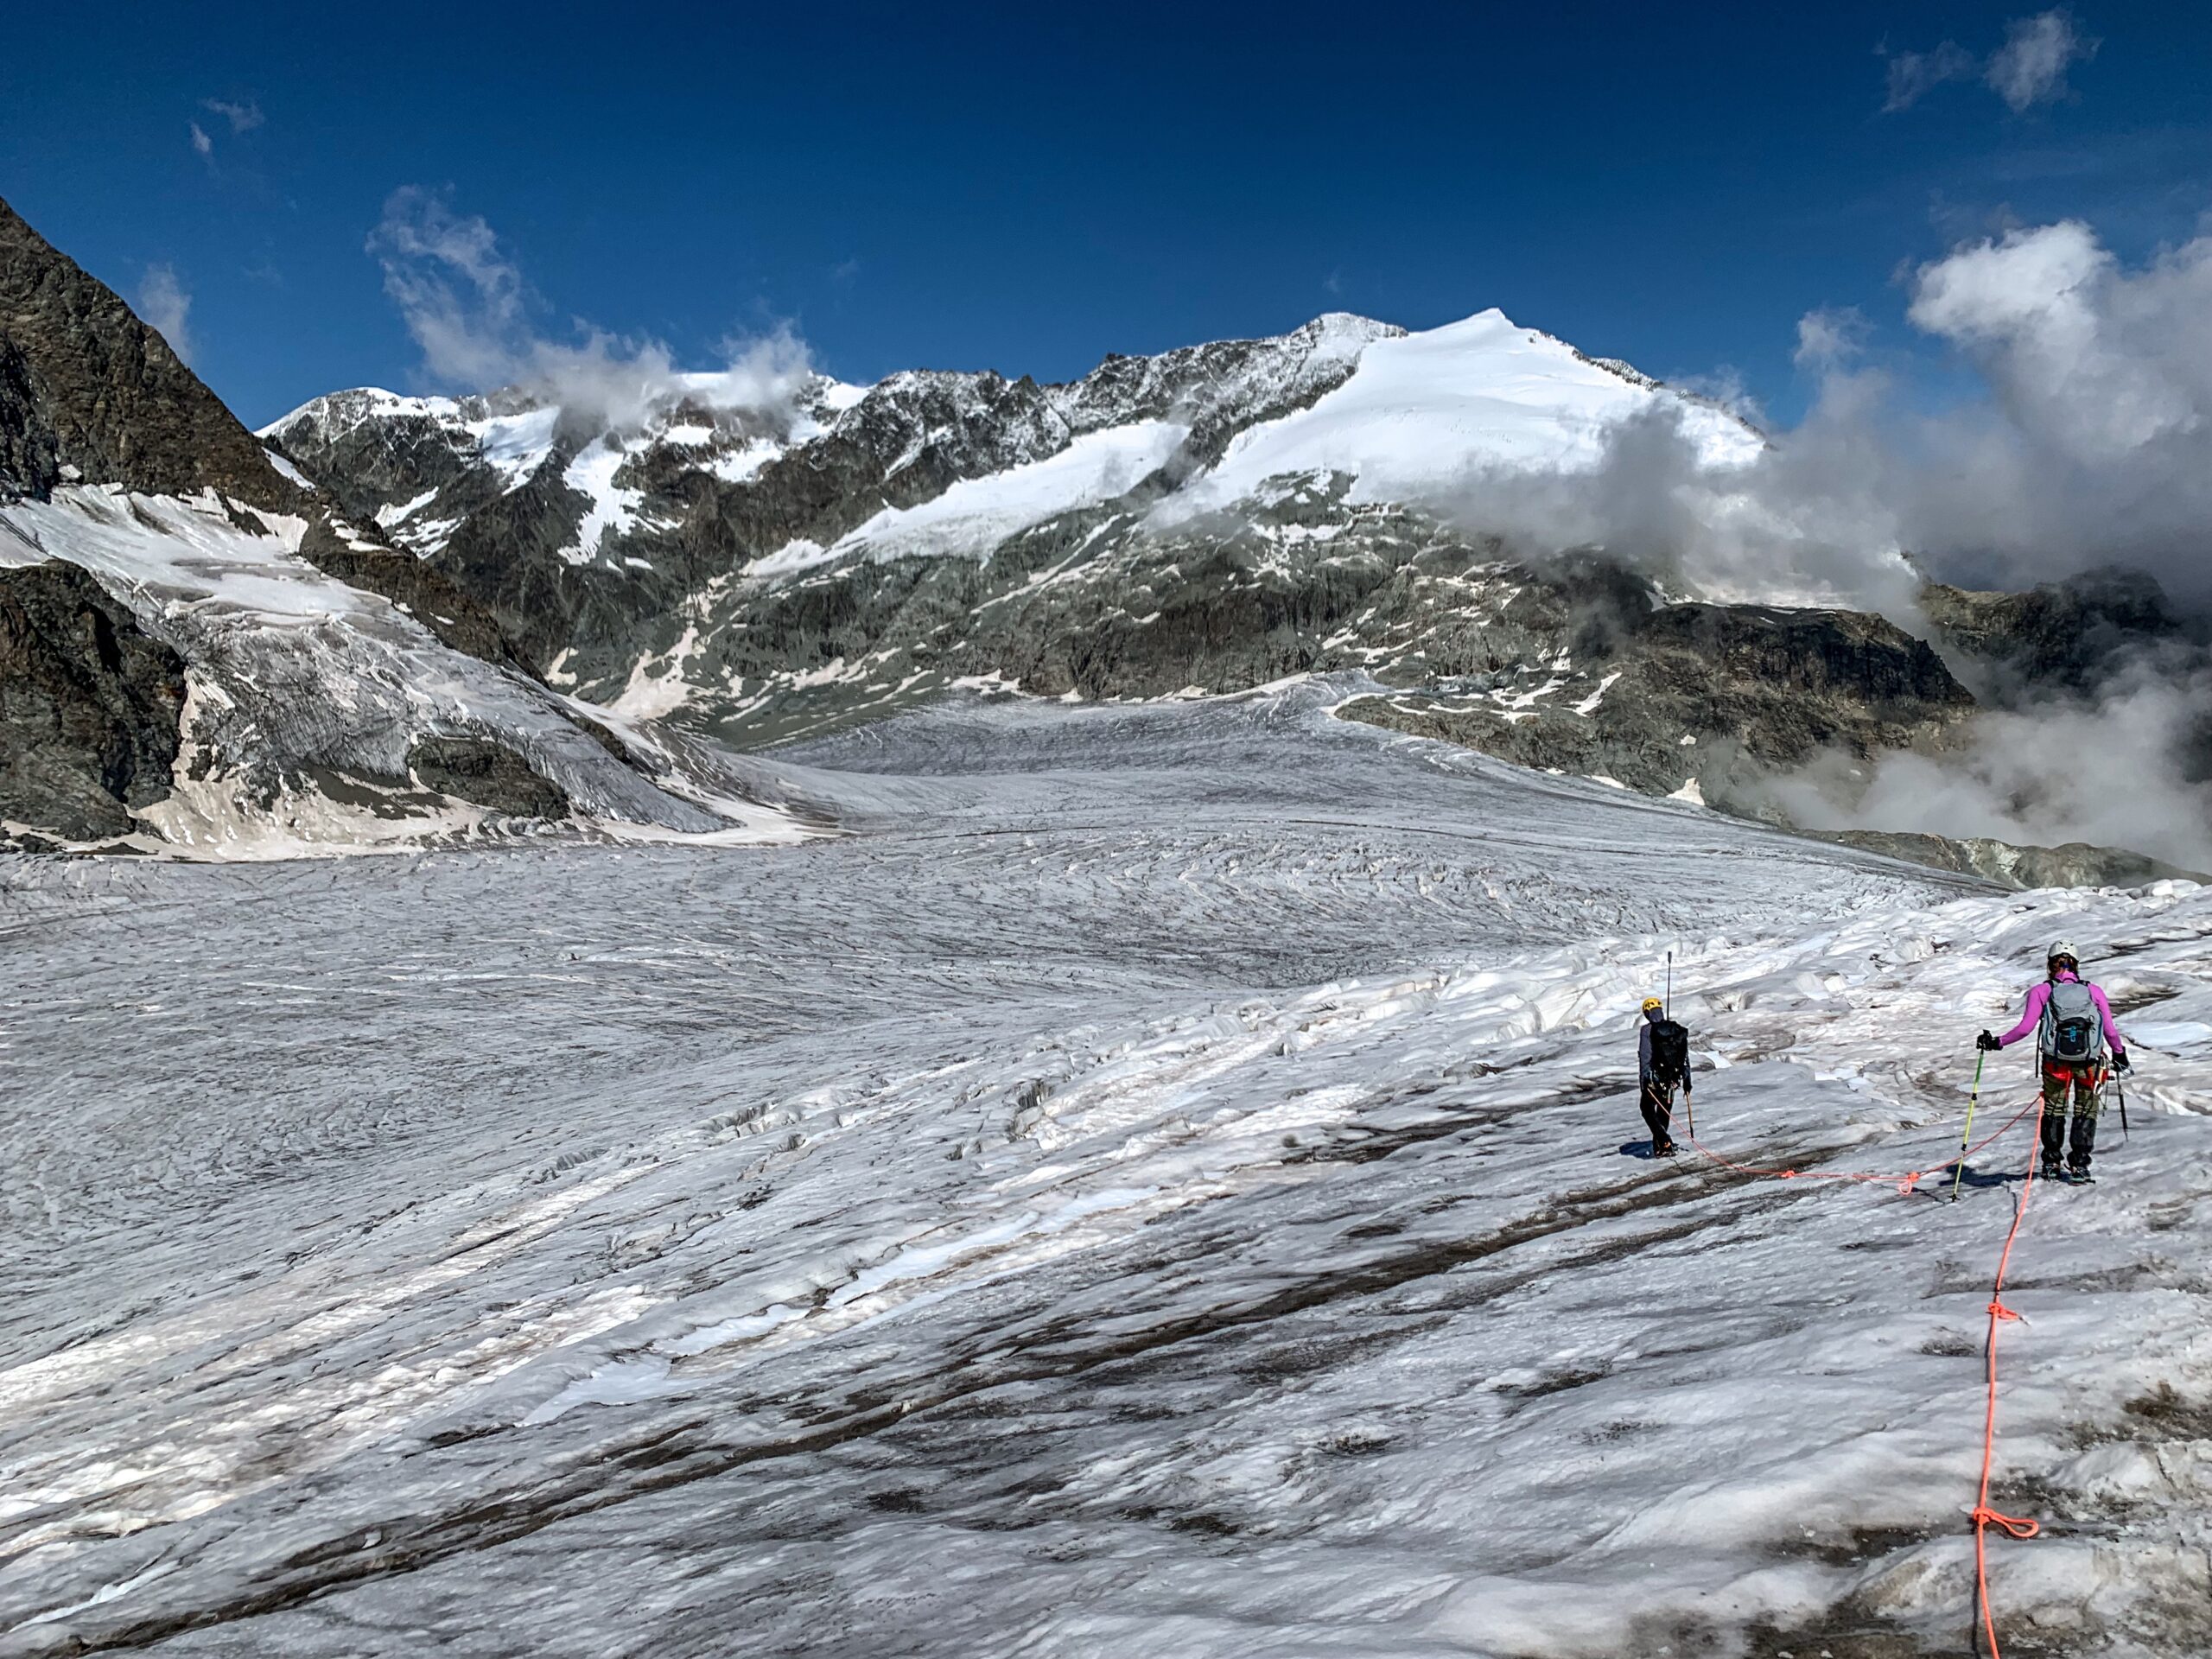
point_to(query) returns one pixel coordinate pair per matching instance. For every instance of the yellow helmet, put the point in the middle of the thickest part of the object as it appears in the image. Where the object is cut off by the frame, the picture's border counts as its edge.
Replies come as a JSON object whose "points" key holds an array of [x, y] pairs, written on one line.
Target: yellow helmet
{"points": [[1651, 1002]]}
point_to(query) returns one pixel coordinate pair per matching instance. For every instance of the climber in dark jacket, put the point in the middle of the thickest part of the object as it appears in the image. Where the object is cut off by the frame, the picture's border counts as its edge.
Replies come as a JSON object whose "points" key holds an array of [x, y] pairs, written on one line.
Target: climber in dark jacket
{"points": [[1662, 1059]]}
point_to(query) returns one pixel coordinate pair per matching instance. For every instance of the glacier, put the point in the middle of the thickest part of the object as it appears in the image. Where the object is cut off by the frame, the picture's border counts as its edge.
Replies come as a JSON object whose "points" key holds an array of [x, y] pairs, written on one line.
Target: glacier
{"points": [[290, 665], [1160, 1179]]}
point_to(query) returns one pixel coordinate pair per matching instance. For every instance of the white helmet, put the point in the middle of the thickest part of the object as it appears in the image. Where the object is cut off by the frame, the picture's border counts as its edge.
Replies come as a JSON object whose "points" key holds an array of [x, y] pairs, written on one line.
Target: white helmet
{"points": [[2064, 948]]}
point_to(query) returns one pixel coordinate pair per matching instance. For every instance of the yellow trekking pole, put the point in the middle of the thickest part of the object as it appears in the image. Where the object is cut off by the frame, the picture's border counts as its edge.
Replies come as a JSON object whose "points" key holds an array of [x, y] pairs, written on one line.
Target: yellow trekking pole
{"points": [[1965, 1135]]}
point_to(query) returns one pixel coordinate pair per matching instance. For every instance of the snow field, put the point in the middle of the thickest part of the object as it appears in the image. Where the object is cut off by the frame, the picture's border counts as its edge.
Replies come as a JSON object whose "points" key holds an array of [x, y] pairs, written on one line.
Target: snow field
{"points": [[1166, 1185], [975, 515]]}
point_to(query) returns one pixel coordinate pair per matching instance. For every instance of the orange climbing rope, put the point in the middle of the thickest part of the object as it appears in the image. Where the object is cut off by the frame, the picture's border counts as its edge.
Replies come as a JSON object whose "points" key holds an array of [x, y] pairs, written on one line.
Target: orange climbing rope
{"points": [[1984, 1516], [1902, 1183]]}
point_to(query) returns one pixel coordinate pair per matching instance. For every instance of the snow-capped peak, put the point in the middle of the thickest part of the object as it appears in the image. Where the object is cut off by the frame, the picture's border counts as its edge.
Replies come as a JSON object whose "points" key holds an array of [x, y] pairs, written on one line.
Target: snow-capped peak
{"points": [[1422, 410]]}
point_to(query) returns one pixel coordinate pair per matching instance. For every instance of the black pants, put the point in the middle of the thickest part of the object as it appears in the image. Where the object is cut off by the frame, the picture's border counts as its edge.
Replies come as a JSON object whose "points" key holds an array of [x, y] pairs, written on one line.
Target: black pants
{"points": [[1658, 1108]]}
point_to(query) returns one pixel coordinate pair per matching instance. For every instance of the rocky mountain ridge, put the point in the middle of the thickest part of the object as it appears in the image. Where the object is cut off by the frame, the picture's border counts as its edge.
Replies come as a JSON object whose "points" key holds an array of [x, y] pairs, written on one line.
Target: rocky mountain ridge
{"points": [[409, 607], [871, 548], [144, 532]]}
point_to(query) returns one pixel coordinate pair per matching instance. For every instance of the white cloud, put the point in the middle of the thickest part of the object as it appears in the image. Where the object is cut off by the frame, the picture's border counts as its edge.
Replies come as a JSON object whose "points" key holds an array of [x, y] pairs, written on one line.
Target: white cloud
{"points": [[2090, 445], [1913, 75], [200, 141], [2097, 435], [243, 116], [163, 302], [469, 310], [2030, 68], [2109, 769], [1829, 337]]}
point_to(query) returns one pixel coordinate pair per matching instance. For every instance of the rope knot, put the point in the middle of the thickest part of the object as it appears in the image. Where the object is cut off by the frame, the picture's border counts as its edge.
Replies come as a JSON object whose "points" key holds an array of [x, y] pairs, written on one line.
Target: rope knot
{"points": [[2013, 1524], [1788, 1174], [1999, 1310]]}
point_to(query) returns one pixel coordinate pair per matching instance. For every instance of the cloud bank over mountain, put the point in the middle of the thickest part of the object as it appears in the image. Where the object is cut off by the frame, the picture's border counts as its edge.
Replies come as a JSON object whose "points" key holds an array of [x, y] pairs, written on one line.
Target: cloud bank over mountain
{"points": [[474, 315], [2086, 445]]}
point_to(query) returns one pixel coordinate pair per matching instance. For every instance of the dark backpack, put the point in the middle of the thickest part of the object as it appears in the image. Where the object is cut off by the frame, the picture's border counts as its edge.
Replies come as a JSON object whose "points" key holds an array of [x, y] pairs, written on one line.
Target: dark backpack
{"points": [[2071, 1030], [1670, 1050]]}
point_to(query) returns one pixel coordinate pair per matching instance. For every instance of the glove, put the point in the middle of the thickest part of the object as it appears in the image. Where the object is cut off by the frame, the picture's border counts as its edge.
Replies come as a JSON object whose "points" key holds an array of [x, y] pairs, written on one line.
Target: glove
{"points": [[1987, 1042], [2121, 1063]]}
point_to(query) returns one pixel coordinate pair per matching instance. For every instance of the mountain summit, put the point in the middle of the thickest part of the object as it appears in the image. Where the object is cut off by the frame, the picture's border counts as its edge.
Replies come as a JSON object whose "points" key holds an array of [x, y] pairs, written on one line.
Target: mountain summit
{"points": [[975, 528]]}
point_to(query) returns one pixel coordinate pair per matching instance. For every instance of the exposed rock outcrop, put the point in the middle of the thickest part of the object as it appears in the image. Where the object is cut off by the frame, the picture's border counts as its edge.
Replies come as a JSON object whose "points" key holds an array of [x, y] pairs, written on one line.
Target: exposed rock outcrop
{"points": [[85, 385], [1716, 696], [2075, 864], [486, 774], [2066, 636], [89, 705]]}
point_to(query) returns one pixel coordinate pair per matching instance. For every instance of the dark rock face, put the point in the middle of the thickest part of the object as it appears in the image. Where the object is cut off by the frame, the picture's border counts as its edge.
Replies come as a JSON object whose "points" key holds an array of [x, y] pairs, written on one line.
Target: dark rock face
{"points": [[2072, 864], [370, 463], [89, 393], [84, 384], [507, 553], [486, 774], [89, 705], [429, 595], [29, 463], [2064, 636], [1720, 696], [1813, 655]]}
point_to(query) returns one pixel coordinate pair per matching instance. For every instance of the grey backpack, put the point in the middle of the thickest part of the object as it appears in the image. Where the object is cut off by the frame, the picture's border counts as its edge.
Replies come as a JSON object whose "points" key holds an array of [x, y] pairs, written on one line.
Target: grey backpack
{"points": [[2071, 1029]]}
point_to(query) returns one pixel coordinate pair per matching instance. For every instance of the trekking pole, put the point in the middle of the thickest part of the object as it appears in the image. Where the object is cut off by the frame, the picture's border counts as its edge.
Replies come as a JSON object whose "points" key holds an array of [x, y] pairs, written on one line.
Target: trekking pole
{"points": [[1965, 1135], [2120, 1083]]}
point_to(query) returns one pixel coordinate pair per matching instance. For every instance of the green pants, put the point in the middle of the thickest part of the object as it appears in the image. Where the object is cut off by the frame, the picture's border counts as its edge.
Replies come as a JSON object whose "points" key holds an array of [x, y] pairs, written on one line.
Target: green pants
{"points": [[2087, 1082]]}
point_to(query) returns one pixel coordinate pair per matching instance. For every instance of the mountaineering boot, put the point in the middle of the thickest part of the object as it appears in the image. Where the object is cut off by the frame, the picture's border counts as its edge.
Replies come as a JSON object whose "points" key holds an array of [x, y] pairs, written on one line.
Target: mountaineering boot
{"points": [[2083, 1148], [2053, 1142], [2080, 1176]]}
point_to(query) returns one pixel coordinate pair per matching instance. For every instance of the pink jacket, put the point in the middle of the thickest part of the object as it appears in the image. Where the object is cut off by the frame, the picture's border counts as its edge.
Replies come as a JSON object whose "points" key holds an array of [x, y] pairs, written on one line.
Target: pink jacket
{"points": [[2041, 995]]}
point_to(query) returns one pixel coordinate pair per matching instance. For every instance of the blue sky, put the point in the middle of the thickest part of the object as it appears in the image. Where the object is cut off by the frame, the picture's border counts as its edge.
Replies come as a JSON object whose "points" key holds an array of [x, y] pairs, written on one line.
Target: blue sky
{"points": [[989, 187]]}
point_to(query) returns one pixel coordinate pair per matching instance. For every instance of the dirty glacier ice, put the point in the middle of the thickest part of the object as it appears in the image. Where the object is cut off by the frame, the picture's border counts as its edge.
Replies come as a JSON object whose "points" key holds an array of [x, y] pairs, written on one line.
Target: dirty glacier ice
{"points": [[1165, 1184]]}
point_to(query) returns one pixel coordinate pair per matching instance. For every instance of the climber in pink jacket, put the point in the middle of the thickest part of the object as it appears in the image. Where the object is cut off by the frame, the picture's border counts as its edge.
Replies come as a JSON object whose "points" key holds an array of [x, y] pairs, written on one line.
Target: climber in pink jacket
{"points": [[2075, 1036]]}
